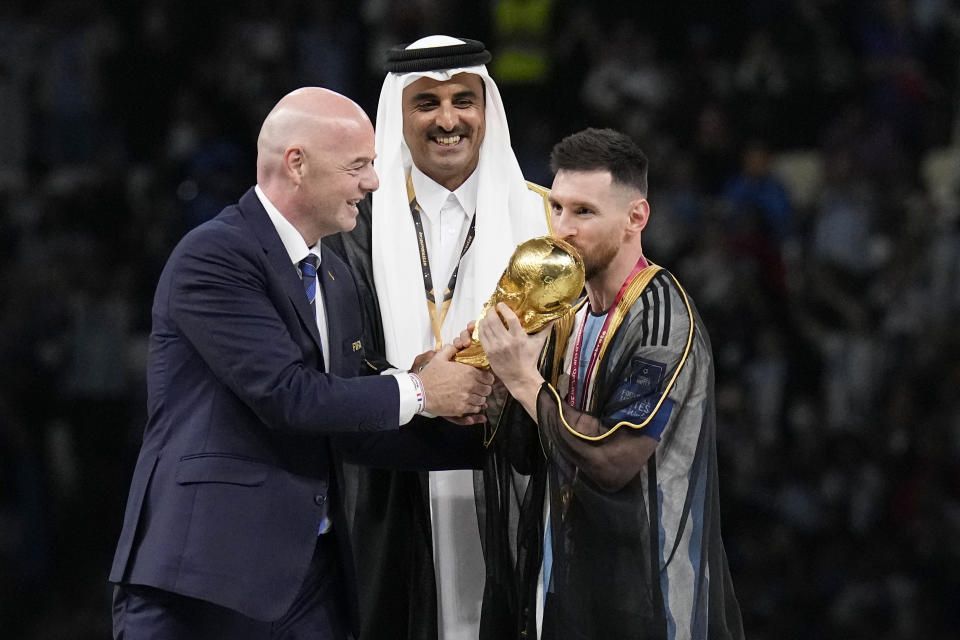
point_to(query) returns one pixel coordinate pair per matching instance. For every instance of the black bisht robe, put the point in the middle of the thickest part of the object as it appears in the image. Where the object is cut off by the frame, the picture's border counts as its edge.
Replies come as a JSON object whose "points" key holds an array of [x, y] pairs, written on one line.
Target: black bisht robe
{"points": [[615, 554]]}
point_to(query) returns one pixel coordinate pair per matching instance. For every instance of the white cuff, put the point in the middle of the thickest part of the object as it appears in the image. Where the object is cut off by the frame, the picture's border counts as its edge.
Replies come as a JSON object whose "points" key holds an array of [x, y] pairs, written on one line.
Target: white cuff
{"points": [[411, 395]]}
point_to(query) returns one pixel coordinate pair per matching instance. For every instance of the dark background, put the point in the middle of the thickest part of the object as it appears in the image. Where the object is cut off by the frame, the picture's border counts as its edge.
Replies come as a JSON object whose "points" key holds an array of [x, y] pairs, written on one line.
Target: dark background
{"points": [[801, 188]]}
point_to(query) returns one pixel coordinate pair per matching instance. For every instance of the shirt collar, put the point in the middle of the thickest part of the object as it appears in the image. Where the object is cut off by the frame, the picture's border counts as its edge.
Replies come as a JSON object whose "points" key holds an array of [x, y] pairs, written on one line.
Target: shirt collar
{"points": [[292, 241], [431, 195]]}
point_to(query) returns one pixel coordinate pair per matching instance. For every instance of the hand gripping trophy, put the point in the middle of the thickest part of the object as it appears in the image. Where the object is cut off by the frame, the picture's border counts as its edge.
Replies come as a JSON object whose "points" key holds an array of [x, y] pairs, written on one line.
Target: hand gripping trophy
{"points": [[543, 278]]}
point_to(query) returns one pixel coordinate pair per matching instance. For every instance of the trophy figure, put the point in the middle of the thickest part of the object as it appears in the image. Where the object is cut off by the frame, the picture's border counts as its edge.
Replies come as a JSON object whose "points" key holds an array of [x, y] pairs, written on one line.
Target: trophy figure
{"points": [[543, 278]]}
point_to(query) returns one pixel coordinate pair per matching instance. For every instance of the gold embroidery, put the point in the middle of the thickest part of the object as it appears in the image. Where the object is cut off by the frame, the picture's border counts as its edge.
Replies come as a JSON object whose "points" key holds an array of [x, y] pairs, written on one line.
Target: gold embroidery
{"points": [[632, 294]]}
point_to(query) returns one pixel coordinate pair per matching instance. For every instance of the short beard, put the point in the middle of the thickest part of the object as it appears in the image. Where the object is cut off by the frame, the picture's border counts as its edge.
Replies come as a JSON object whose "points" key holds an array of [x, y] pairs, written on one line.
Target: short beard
{"points": [[599, 259]]}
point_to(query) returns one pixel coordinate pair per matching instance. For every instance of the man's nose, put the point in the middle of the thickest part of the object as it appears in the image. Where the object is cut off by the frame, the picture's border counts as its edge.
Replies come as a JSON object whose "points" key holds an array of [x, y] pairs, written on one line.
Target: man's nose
{"points": [[562, 227], [370, 181], [447, 117]]}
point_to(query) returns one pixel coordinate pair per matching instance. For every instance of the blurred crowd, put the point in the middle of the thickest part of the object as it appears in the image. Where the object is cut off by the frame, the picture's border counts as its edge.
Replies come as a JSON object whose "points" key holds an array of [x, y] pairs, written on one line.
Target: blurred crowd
{"points": [[805, 187]]}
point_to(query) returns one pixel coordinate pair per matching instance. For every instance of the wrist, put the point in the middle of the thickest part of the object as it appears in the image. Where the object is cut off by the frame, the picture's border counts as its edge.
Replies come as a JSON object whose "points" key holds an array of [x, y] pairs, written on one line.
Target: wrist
{"points": [[525, 390], [421, 394]]}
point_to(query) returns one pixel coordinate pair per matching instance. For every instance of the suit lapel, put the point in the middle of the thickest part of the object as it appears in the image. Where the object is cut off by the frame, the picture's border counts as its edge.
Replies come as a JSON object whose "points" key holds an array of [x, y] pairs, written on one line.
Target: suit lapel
{"points": [[331, 280], [279, 261]]}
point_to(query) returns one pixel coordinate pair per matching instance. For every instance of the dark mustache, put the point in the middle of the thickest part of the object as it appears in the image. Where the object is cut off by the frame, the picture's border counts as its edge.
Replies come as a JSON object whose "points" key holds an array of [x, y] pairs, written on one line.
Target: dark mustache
{"points": [[437, 132]]}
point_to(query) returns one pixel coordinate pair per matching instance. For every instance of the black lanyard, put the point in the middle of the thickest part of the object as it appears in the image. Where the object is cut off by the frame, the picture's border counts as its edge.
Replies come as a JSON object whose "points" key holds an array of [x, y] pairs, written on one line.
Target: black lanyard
{"points": [[436, 318]]}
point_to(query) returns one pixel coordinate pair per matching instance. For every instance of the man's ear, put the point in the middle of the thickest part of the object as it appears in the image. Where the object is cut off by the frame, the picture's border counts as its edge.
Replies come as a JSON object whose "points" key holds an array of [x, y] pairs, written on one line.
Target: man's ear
{"points": [[293, 161], [639, 214]]}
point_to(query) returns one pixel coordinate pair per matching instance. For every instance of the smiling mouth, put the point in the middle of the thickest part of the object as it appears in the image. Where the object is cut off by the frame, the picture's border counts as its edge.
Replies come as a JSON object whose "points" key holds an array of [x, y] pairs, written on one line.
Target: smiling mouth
{"points": [[447, 141]]}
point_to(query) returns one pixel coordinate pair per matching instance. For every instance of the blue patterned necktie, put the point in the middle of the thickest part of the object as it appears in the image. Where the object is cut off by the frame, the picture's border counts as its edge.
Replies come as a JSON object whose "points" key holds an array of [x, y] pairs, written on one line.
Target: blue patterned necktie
{"points": [[308, 273]]}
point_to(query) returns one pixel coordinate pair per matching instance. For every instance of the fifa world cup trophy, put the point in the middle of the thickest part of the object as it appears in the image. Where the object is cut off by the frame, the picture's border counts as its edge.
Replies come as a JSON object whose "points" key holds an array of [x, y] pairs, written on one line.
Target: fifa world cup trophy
{"points": [[541, 282]]}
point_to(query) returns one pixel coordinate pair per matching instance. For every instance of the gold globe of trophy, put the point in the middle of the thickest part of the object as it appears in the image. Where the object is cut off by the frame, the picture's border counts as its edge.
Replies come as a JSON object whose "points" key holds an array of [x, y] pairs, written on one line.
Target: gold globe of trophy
{"points": [[543, 278]]}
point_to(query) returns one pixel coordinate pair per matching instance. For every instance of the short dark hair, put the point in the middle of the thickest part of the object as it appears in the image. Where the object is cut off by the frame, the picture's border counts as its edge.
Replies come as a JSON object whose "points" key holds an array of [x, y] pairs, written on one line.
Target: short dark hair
{"points": [[602, 150]]}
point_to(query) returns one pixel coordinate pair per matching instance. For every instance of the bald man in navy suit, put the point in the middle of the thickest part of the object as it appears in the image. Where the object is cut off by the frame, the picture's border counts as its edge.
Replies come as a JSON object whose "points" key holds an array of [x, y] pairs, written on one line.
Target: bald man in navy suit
{"points": [[233, 526]]}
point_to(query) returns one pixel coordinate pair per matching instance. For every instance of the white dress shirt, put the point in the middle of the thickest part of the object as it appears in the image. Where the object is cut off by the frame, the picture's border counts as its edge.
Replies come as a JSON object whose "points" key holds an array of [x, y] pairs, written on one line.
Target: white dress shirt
{"points": [[446, 221], [458, 559]]}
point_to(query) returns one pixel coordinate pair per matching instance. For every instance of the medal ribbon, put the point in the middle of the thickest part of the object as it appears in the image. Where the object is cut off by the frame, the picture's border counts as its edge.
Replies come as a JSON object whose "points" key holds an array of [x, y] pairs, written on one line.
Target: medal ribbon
{"points": [[572, 398], [436, 318]]}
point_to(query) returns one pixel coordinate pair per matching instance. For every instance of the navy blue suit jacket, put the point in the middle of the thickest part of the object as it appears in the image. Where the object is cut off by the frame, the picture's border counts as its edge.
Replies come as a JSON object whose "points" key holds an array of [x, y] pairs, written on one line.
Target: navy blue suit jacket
{"points": [[239, 461]]}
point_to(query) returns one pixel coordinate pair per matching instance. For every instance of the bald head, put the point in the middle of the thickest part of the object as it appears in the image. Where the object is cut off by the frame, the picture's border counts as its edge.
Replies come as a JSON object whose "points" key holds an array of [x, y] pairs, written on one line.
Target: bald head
{"points": [[308, 114], [313, 144]]}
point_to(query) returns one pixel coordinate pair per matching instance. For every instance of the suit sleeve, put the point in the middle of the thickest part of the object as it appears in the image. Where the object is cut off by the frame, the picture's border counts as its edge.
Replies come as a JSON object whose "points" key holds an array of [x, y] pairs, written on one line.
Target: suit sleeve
{"points": [[222, 302]]}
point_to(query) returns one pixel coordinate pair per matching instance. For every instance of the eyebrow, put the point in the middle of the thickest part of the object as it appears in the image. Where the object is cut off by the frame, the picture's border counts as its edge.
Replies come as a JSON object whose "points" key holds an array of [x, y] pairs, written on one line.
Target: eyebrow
{"points": [[429, 95], [573, 203]]}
